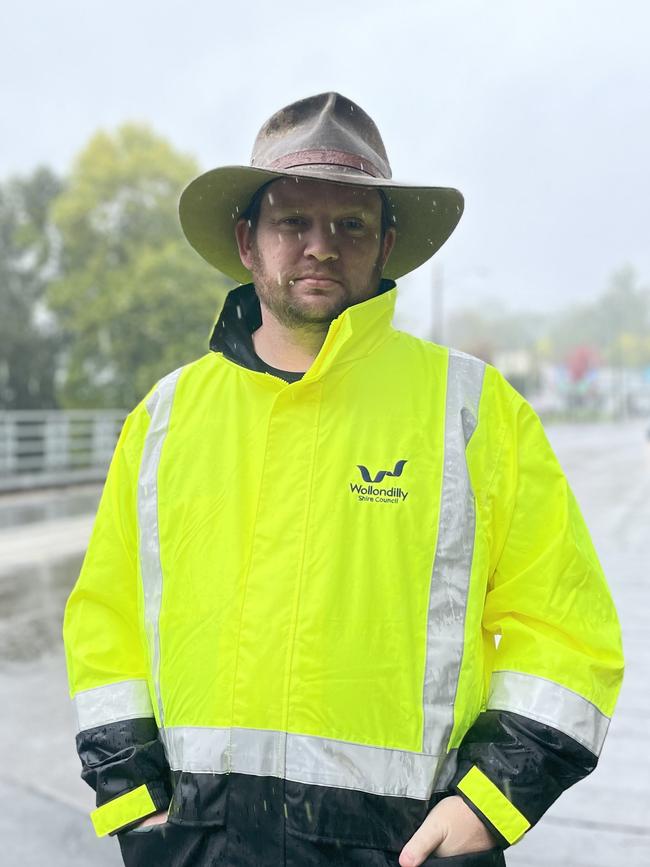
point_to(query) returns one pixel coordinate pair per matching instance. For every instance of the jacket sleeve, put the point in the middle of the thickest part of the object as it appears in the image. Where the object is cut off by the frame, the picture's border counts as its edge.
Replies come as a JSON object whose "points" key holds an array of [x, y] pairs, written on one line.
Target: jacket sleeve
{"points": [[121, 755], [557, 667]]}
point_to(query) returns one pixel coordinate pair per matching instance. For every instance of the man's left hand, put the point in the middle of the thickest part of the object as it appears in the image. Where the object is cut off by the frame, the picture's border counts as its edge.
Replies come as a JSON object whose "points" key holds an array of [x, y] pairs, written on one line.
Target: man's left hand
{"points": [[451, 828]]}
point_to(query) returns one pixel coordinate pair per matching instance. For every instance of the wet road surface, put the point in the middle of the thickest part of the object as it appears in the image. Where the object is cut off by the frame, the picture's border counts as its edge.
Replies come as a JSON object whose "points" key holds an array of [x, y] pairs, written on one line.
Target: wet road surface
{"points": [[30, 507], [602, 822]]}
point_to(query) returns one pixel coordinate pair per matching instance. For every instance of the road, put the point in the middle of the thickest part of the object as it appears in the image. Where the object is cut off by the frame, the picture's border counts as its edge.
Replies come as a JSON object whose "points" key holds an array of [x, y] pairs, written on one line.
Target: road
{"points": [[604, 821]]}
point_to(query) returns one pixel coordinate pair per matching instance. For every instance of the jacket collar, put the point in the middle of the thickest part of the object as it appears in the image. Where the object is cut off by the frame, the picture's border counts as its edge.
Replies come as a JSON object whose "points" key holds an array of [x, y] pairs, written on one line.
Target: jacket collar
{"points": [[353, 334]]}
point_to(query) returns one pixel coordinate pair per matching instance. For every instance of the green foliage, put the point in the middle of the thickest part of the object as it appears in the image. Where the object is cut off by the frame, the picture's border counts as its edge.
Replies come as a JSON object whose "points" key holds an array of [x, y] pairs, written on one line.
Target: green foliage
{"points": [[30, 344], [492, 328], [617, 324], [134, 300]]}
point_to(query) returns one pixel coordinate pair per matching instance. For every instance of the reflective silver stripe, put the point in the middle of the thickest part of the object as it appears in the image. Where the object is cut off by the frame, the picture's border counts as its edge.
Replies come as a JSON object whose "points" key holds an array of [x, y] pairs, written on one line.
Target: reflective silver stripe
{"points": [[454, 551], [549, 703], [102, 705], [326, 762], [159, 407], [301, 758]]}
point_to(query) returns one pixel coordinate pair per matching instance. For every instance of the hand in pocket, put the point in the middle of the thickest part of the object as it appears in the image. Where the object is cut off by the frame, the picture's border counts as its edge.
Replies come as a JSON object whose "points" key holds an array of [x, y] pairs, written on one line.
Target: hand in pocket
{"points": [[451, 828], [156, 819]]}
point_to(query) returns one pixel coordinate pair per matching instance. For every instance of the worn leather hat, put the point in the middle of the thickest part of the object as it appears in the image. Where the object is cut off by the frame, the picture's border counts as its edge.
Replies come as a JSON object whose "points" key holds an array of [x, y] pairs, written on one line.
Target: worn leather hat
{"points": [[330, 138]]}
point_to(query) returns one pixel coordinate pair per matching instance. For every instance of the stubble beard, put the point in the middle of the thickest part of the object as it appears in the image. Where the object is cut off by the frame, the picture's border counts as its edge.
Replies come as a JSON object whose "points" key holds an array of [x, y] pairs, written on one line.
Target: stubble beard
{"points": [[275, 291]]}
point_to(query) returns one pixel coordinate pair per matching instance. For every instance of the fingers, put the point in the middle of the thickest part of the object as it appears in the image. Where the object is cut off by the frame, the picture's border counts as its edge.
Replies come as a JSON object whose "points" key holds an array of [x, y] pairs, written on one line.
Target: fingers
{"points": [[451, 828], [156, 819], [426, 839]]}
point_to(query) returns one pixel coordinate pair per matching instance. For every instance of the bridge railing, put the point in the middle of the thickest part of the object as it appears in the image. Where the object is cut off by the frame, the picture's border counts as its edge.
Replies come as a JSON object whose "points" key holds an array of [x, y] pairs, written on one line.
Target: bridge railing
{"points": [[56, 447]]}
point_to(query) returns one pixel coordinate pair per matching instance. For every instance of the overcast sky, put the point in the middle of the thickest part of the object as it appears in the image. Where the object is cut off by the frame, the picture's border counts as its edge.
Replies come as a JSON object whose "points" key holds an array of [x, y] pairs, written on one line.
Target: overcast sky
{"points": [[539, 112]]}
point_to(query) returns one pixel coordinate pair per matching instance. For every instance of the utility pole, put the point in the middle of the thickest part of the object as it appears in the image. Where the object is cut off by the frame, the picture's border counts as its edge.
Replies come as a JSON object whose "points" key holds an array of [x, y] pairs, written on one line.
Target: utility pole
{"points": [[437, 285]]}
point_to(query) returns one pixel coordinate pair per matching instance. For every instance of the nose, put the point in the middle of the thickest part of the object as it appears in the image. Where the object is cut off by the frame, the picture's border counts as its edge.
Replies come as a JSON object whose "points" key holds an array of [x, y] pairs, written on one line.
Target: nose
{"points": [[321, 241]]}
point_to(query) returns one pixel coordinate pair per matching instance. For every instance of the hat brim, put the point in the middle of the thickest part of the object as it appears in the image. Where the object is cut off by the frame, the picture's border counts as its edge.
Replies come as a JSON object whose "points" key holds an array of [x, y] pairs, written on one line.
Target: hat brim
{"points": [[211, 205]]}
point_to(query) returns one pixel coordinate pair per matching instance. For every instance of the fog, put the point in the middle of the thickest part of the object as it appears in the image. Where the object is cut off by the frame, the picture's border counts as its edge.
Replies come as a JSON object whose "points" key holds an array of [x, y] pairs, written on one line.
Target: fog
{"points": [[537, 112]]}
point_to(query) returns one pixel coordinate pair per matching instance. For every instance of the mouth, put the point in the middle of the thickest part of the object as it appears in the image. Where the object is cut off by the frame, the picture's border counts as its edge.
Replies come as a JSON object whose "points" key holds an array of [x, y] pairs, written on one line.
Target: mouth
{"points": [[313, 281]]}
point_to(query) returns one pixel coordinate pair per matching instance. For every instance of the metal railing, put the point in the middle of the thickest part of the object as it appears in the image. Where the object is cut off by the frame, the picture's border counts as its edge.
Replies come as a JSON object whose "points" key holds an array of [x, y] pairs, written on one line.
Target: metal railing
{"points": [[40, 448]]}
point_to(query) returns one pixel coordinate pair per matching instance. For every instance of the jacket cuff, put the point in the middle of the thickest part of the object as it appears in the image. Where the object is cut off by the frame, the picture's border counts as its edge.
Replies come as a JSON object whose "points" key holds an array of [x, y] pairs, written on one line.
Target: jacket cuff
{"points": [[506, 823], [128, 809], [125, 763], [512, 768]]}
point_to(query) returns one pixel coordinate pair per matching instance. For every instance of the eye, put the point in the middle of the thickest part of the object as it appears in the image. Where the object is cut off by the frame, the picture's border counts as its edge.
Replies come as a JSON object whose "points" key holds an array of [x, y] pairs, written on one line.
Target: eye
{"points": [[292, 220], [353, 224]]}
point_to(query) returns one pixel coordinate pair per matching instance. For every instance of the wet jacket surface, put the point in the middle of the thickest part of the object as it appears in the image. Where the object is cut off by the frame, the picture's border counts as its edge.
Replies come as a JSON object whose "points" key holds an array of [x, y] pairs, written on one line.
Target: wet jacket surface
{"points": [[311, 609]]}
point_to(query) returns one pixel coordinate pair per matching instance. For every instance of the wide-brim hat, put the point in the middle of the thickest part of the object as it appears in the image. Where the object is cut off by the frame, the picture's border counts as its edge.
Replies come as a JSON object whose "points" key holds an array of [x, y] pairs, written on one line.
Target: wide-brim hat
{"points": [[328, 138]]}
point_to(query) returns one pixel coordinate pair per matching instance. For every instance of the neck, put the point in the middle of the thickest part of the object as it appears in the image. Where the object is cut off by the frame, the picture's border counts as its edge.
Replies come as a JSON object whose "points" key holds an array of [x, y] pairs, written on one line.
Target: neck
{"points": [[292, 349]]}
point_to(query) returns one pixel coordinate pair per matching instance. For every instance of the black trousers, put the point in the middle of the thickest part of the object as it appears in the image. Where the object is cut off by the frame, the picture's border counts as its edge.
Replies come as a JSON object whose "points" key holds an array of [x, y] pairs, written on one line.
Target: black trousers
{"points": [[170, 845]]}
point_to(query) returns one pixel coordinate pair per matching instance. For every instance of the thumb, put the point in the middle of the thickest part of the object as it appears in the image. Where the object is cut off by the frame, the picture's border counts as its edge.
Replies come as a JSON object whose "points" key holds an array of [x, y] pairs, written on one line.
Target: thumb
{"points": [[426, 839]]}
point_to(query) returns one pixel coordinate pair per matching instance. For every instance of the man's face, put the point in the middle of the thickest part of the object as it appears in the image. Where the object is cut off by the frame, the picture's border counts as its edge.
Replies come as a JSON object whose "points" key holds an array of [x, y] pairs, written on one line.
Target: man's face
{"points": [[316, 249]]}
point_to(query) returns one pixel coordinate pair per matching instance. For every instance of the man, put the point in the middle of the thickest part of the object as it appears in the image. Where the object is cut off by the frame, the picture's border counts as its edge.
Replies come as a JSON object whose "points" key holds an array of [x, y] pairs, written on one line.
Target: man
{"points": [[339, 605]]}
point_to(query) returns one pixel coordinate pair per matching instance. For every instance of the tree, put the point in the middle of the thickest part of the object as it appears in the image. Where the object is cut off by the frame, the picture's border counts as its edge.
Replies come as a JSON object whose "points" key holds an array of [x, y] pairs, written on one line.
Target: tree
{"points": [[134, 299], [624, 315], [616, 325], [30, 343], [493, 328]]}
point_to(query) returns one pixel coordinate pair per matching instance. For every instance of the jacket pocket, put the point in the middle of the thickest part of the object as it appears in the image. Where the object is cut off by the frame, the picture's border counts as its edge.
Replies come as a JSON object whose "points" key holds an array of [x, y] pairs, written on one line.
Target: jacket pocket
{"points": [[352, 818], [149, 845], [199, 800], [349, 822], [489, 858], [165, 845], [139, 829]]}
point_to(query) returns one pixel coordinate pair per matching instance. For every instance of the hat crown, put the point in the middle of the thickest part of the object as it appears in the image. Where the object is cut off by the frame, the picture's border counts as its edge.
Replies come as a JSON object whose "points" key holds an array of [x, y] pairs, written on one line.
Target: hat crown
{"points": [[326, 138], [325, 130]]}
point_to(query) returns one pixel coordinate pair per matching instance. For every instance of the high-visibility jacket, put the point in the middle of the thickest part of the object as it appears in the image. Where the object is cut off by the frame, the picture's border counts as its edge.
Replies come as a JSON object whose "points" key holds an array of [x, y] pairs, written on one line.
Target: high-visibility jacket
{"points": [[373, 585]]}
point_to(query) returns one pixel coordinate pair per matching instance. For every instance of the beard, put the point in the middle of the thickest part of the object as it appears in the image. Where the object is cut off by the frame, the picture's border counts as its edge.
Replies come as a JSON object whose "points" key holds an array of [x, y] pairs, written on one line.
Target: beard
{"points": [[295, 309]]}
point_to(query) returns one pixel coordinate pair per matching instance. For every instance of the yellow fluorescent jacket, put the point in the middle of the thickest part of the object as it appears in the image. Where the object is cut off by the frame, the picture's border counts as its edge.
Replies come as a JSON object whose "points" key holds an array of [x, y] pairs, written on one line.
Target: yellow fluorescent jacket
{"points": [[329, 580]]}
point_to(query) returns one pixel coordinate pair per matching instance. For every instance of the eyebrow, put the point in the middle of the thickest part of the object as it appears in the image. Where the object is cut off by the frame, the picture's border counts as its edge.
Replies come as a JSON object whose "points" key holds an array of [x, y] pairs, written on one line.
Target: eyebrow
{"points": [[352, 209]]}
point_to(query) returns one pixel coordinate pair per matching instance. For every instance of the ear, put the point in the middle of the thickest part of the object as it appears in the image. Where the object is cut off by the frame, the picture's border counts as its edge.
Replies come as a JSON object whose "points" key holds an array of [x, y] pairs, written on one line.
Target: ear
{"points": [[389, 242], [245, 236]]}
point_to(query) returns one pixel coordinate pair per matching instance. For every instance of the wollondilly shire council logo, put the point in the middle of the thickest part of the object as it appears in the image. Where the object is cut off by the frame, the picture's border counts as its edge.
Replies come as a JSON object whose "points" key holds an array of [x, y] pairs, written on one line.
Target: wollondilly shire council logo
{"points": [[373, 494]]}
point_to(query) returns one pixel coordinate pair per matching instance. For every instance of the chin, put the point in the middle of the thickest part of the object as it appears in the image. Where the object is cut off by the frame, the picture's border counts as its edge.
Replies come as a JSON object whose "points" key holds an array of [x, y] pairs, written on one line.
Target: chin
{"points": [[319, 301], [309, 313]]}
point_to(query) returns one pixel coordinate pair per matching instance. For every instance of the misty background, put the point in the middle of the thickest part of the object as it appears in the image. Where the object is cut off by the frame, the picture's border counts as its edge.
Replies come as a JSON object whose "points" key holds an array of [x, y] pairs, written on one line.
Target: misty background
{"points": [[537, 112]]}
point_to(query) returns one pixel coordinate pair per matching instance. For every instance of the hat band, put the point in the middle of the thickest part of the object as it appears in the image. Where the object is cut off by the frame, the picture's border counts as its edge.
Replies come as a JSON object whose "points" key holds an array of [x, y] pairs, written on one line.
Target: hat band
{"points": [[326, 157]]}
